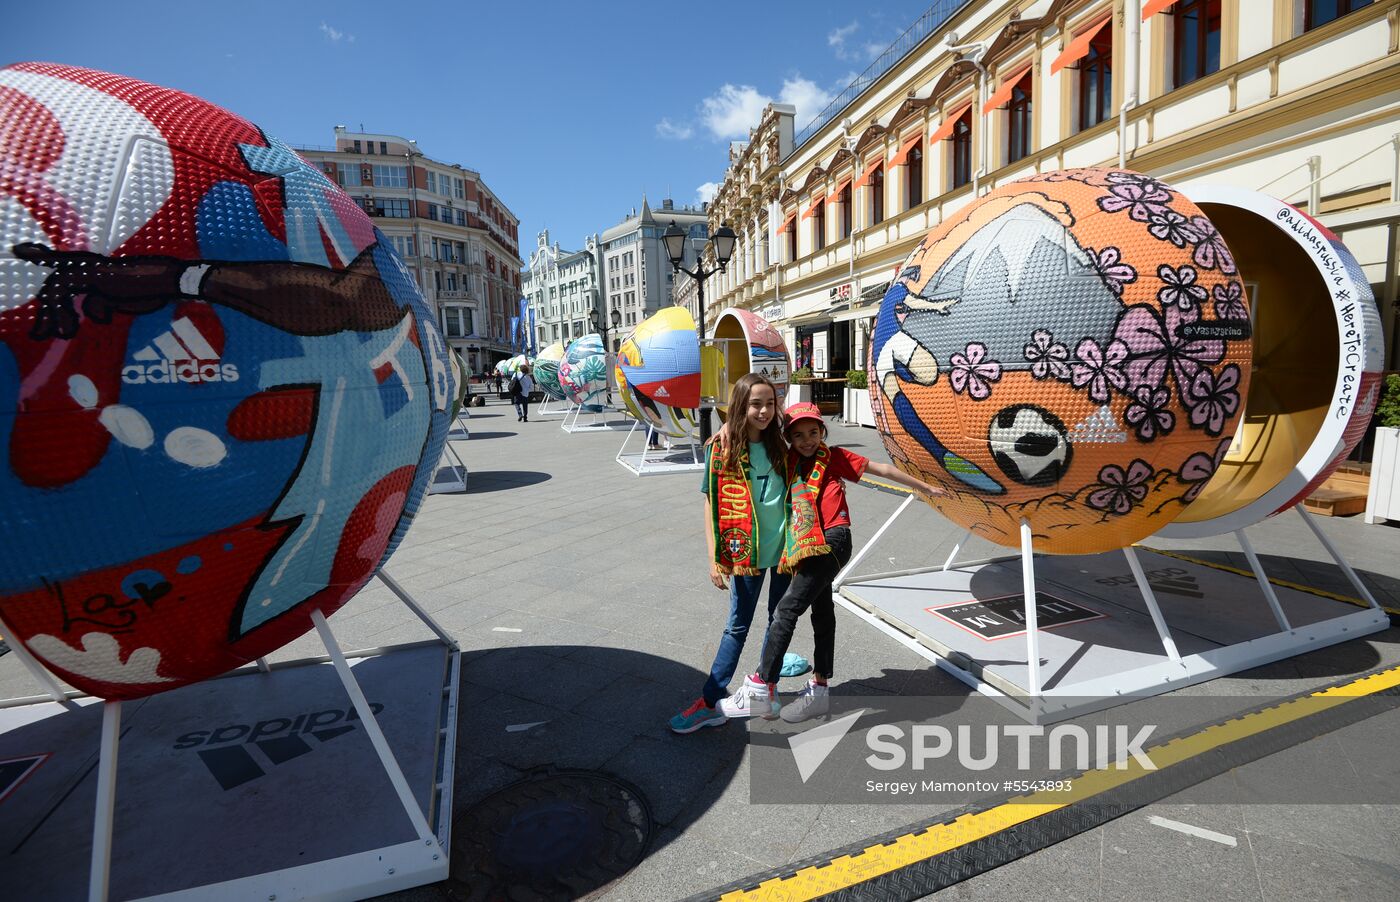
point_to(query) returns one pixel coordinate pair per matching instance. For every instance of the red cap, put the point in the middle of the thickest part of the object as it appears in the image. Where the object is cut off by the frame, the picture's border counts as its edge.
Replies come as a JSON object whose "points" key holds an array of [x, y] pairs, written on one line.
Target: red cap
{"points": [[802, 410]]}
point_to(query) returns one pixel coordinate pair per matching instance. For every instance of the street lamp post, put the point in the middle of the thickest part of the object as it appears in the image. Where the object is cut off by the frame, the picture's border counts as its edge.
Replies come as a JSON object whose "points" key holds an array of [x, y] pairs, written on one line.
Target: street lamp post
{"points": [[723, 242], [601, 327]]}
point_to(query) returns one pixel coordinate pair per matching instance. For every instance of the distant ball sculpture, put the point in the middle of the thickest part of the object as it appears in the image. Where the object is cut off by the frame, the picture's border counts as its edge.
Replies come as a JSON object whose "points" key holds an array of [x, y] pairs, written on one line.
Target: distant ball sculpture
{"points": [[583, 372], [221, 395], [1071, 350]]}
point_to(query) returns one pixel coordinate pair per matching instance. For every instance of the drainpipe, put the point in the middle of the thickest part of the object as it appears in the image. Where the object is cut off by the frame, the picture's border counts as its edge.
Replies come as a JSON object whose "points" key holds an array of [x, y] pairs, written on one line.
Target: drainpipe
{"points": [[1132, 15]]}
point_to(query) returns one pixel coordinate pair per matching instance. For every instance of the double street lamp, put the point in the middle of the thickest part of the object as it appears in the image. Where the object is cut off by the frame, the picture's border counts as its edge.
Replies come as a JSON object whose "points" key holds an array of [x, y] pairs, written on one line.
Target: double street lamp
{"points": [[600, 326], [723, 242]]}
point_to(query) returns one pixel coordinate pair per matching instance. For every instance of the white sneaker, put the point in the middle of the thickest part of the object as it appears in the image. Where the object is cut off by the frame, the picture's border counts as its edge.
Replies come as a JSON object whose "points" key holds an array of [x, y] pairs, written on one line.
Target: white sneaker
{"points": [[813, 701], [753, 698]]}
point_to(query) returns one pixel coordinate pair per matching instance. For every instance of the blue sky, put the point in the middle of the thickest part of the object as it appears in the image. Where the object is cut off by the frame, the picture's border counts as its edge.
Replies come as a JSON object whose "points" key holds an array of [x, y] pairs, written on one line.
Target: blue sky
{"points": [[569, 111]]}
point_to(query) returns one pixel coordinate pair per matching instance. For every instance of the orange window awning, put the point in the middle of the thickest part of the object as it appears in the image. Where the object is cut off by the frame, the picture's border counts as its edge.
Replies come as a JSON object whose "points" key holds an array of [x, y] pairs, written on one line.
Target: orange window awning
{"points": [[945, 131], [836, 195], [869, 172], [1151, 8], [1078, 48], [909, 144], [812, 208], [787, 221], [1003, 93]]}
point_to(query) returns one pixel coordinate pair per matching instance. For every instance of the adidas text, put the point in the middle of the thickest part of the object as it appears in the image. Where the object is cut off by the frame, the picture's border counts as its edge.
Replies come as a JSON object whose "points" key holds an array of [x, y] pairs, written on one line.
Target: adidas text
{"points": [[263, 729], [165, 372]]}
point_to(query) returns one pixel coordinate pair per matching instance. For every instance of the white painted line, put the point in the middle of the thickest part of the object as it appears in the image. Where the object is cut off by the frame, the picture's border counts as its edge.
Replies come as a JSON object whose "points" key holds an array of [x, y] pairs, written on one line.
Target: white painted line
{"points": [[1189, 830], [504, 629], [521, 727]]}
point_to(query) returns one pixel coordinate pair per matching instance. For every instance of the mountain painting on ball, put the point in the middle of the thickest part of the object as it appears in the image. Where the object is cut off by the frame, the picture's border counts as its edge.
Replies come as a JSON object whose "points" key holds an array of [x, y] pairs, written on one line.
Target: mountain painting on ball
{"points": [[1073, 350], [221, 395]]}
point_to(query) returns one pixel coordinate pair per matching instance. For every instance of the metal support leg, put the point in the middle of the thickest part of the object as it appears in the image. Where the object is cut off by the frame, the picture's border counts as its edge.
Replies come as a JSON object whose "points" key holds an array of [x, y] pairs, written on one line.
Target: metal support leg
{"points": [[262, 666], [1147, 596], [376, 736], [957, 546], [36, 670], [1336, 556], [413, 606], [865, 549], [100, 873], [1269, 594], [1032, 627]]}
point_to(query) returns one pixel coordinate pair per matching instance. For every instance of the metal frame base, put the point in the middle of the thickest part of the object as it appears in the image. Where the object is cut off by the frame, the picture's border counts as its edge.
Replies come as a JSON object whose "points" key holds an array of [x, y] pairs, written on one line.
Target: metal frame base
{"points": [[600, 422], [372, 872], [649, 462], [456, 482], [1037, 704]]}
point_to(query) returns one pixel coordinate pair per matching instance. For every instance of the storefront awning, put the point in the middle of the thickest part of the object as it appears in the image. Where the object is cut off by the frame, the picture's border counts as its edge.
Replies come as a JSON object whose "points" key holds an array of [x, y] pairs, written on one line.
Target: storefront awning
{"points": [[945, 130], [1151, 8], [1078, 48], [1003, 93]]}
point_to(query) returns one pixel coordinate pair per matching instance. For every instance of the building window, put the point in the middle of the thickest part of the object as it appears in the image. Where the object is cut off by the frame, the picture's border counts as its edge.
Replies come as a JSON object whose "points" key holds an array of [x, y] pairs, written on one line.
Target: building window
{"points": [[391, 207], [1320, 12], [962, 149], [357, 147], [790, 238], [877, 196], [1196, 40], [845, 198], [819, 226], [386, 176], [461, 217], [458, 190], [432, 182], [347, 174], [1096, 80], [384, 148], [914, 178], [1019, 120]]}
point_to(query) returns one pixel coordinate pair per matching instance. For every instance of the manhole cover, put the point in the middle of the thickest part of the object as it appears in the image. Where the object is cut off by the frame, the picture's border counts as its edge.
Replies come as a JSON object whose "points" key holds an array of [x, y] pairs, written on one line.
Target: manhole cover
{"points": [[553, 835]]}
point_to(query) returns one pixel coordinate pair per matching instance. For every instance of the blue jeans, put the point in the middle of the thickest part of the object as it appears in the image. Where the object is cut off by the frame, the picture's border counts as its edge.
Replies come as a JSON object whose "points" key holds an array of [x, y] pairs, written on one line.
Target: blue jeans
{"points": [[743, 598]]}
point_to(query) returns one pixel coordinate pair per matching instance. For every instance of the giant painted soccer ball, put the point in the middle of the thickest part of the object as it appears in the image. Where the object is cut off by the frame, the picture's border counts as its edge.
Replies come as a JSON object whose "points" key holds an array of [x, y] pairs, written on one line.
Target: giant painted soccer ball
{"points": [[583, 372], [221, 395], [546, 371], [1071, 350], [658, 372]]}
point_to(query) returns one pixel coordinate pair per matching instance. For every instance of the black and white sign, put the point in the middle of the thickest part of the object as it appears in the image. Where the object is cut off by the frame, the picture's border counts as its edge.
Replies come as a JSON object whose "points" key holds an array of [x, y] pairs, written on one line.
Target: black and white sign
{"points": [[1002, 618]]}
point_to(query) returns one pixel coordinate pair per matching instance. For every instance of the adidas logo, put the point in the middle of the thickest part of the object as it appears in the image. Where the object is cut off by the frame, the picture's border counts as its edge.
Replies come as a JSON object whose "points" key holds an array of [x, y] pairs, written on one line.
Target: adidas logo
{"points": [[1101, 428], [239, 752], [180, 354], [661, 392]]}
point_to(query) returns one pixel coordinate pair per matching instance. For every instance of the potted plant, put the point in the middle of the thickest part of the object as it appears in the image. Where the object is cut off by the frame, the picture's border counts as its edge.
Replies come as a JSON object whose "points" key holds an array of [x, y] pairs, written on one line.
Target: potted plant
{"points": [[858, 399], [1383, 496], [800, 385]]}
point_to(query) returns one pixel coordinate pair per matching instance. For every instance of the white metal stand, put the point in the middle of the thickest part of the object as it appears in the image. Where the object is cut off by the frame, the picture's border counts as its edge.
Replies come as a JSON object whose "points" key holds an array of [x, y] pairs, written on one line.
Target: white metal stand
{"points": [[1172, 670], [552, 407], [414, 863], [455, 479], [598, 423], [460, 431], [653, 462]]}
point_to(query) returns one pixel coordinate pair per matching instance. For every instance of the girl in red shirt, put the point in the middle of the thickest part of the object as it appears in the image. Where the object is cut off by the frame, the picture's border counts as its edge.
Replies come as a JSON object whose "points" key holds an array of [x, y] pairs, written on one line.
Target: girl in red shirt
{"points": [[811, 583]]}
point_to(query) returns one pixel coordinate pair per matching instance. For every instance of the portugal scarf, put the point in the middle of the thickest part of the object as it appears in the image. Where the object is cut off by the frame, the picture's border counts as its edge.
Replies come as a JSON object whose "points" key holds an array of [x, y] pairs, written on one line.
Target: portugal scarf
{"points": [[732, 521], [803, 537]]}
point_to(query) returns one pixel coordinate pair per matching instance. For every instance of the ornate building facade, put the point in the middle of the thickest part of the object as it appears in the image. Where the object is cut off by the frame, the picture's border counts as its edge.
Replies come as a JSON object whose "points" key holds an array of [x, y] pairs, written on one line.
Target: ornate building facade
{"points": [[1297, 98], [561, 289], [454, 234]]}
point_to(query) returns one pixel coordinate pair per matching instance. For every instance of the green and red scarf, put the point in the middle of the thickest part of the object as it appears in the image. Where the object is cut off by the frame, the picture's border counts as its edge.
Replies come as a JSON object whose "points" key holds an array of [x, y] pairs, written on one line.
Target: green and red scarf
{"points": [[804, 537], [734, 524]]}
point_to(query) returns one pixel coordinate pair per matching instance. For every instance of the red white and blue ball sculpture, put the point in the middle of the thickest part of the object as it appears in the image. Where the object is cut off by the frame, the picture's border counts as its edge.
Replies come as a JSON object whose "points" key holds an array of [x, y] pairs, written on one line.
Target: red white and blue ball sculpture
{"points": [[221, 395]]}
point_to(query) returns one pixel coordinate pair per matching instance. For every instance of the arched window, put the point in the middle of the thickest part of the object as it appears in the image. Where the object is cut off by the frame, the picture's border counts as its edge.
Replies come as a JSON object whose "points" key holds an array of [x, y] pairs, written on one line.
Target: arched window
{"points": [[845, 198]]}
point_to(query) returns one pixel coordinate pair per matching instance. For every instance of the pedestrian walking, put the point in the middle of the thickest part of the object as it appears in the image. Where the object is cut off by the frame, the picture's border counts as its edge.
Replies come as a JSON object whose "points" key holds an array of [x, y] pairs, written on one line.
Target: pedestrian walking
{"points": [[818, 543], [745, 488], [520, 387]]}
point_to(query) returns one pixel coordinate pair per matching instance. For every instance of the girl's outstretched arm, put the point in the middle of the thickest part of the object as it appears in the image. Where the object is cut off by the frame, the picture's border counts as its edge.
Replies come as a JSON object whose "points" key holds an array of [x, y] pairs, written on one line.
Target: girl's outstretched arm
{"points": [[894, 474]]}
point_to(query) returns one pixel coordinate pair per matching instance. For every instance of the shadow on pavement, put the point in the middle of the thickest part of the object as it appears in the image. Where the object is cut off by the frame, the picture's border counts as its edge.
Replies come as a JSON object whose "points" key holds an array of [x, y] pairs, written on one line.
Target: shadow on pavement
{"points": [[478, 436], [482, 481]]}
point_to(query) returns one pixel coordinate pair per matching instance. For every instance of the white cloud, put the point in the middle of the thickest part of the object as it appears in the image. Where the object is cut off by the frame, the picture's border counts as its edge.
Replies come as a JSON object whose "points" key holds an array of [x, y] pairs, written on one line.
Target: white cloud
{"points": [[837, 39], [732, 111], [874, 49], [706, 192], [806, 96], [673, 131], [335, 36]]}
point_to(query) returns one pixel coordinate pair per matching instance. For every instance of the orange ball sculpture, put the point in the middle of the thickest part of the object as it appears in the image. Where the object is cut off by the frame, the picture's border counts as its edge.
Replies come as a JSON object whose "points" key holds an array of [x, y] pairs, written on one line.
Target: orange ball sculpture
{"points": [[1071, 350]]}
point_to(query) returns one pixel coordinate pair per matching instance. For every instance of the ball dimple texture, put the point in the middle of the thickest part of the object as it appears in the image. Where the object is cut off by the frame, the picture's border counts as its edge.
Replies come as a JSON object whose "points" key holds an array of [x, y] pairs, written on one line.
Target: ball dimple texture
{"points": [[221, 395], [1071, 350]]}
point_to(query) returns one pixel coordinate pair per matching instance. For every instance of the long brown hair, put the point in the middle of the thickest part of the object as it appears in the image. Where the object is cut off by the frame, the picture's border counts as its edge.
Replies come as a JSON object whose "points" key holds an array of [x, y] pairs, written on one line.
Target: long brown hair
{"points": [[735, 431]]}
